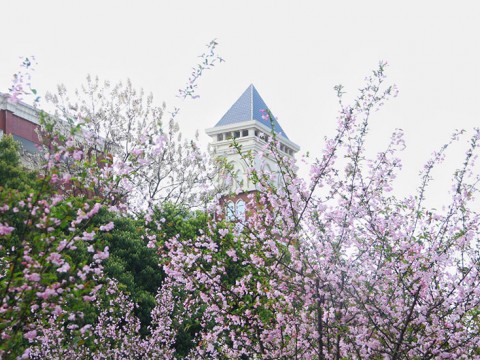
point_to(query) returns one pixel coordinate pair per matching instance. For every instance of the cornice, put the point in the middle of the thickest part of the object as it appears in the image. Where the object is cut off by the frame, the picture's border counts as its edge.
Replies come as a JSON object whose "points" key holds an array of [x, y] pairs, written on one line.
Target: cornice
{"points": [[20, 109]]}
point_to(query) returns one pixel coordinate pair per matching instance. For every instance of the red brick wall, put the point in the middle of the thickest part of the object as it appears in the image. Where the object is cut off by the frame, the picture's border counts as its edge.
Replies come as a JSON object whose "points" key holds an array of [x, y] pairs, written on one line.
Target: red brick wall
{"points": [[2, 120], [244, 196], [235, 198], [13, 124]]}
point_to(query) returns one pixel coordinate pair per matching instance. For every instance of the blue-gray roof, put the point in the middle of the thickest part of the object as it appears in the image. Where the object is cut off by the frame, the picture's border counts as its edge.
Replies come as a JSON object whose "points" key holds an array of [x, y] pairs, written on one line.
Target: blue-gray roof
{"points": [[249, 106]]}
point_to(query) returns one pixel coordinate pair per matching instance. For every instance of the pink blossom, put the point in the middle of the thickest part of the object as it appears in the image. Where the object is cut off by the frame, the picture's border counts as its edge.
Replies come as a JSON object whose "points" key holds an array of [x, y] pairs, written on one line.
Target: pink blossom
{"points": [[64, 268], [33, 277], [101, 255], [88, 236], [89, 298], [107, 227], [57, 310], [85, 328], [95, 209], [62, 244], [137, 152], [232, 253], [5, 229], [151, 244], [30, 335], [56, 259], [46, 294], [66, 177], [256, 260], [15, 97], [77, 155]]}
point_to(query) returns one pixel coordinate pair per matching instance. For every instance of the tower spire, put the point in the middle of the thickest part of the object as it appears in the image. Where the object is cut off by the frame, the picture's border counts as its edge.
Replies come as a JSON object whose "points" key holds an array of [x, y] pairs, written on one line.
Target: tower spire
{"points": [[245, 122], [250, 106]]}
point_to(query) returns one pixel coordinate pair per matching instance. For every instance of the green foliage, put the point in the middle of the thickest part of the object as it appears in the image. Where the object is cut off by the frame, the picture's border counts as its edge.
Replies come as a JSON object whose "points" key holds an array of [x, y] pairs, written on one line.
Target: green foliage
{"points": [[132, 263], [12, 174], [138, 268], [21, 294], [184, 224]]}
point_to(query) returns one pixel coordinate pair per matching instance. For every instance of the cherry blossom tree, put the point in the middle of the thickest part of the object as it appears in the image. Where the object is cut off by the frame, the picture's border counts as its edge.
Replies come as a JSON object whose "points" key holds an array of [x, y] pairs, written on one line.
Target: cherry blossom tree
{"points": [[338, 266], [114, 335], [115, 155], [120, 121], [334, 266], [42, 232]]}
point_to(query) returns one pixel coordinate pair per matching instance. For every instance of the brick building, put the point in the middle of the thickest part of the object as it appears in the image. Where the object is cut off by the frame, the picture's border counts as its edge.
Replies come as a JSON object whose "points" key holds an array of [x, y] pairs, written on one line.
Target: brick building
{"points": [[21, 121], [244, 121]]}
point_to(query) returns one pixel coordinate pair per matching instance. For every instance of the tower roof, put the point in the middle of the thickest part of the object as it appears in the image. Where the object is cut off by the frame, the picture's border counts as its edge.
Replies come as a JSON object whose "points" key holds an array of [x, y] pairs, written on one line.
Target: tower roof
{"points": [[250, 106]]}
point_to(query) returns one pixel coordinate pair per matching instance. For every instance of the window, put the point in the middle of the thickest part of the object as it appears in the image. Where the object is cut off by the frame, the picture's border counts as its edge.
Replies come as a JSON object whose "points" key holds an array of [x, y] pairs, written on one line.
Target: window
{"points": [[27, 145], [235, 211], [244, 133], [240, 211], [236, 134], [219, 137], [230, 211], [228, 135]]}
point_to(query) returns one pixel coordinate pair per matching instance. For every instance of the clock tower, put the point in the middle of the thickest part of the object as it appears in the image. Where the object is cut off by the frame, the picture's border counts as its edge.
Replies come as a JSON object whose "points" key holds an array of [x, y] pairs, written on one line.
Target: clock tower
{"points": [[247, 123]]}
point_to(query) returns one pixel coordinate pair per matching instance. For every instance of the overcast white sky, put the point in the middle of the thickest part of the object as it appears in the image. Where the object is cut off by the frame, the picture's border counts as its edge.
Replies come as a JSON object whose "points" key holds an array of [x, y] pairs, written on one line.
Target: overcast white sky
{"points": [[294, 52]]}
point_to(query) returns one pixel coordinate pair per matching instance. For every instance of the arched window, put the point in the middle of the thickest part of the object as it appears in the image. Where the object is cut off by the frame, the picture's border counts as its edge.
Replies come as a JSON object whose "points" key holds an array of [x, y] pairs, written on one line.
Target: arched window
{"points": [[230, 211], [240, 210], [240, 175]]}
